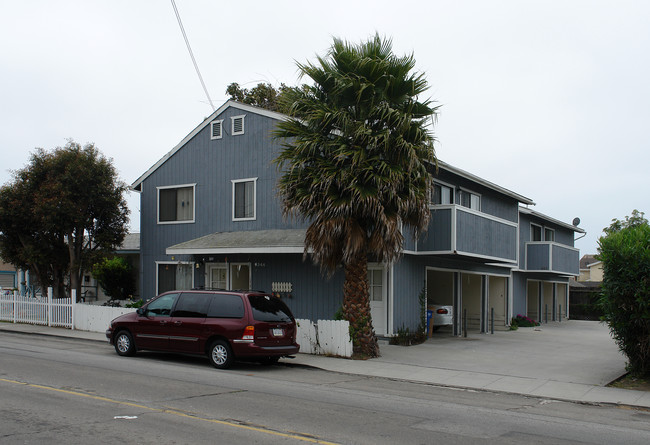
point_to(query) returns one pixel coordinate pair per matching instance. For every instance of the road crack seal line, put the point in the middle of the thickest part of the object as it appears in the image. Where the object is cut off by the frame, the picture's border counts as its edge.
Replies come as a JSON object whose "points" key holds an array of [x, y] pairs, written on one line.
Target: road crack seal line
{"points": [[232, 423]]}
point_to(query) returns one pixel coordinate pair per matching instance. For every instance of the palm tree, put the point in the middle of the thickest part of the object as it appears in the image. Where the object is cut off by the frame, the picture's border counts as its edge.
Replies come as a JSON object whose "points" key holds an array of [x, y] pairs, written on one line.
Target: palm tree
{"points": [[354, 160]]}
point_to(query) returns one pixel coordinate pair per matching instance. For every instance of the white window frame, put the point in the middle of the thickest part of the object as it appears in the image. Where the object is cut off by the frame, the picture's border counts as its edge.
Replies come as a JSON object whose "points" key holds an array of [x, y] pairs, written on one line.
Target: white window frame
{"points": [[470, 193], [212, 124], [237, 181], [180, 186], [442, 184], [550, 230], [160, 263], [232, 124], [541, 232]]}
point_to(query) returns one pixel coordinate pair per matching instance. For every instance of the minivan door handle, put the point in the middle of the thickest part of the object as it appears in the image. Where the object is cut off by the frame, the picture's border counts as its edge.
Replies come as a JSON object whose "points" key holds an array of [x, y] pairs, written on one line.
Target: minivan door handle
{"points": [[178, 323]]}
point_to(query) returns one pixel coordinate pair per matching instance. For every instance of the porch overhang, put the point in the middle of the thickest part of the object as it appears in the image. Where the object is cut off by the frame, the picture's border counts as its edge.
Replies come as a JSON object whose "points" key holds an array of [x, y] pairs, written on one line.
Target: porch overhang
{"points": [[257, 241]]}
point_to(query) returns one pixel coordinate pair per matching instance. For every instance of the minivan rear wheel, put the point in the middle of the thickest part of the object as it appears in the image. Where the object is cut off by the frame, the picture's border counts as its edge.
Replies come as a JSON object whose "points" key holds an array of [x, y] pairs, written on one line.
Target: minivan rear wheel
{"points": [[220, 354]]}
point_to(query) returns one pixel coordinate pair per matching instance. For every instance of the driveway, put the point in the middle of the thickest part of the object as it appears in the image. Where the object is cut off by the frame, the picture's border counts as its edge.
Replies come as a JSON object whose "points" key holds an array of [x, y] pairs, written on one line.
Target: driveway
{"points": [[571, 352]]}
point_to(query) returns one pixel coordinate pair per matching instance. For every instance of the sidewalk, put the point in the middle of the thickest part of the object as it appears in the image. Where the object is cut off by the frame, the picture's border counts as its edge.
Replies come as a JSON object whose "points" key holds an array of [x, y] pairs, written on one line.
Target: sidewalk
{"points": [[569, 361]]}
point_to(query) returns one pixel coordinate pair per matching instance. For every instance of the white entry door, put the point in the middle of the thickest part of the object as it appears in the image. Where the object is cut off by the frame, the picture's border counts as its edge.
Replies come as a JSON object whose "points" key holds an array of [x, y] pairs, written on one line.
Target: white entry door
{"points": [[378, 291], [229, 276]]}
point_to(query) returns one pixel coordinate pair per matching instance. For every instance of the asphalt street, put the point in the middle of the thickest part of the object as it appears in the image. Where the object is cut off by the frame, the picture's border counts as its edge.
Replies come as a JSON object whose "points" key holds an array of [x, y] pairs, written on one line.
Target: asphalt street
{"points": [[78, 391]]}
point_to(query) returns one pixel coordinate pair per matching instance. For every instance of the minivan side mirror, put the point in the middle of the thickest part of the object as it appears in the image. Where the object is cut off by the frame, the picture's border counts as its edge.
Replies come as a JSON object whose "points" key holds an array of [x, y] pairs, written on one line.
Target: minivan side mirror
{"points": [[140, 311]]}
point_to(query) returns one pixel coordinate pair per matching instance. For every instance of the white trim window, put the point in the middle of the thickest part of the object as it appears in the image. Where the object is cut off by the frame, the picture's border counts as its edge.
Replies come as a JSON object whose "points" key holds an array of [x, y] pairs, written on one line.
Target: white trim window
{"points": [[174, 275], [549, 234], [237, 124], [535, 232], [216, 129], [442, 194], [176, 204], [244, 193], [469, 199]]}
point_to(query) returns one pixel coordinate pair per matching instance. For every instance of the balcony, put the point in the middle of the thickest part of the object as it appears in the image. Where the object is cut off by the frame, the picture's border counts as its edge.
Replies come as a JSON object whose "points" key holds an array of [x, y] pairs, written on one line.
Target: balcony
{"points": [[457, 230], [546, 256]]}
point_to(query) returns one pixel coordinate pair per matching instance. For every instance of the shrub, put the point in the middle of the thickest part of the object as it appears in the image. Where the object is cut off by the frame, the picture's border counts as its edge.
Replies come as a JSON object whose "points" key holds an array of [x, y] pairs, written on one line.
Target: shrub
{"points": [[115, 276], [625, 298], [522, 321]]}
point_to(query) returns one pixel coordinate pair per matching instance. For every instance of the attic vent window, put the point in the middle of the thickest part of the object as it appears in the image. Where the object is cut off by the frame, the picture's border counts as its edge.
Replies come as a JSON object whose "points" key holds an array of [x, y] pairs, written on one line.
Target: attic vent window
{"points": [[216, 131], [237, 125]]}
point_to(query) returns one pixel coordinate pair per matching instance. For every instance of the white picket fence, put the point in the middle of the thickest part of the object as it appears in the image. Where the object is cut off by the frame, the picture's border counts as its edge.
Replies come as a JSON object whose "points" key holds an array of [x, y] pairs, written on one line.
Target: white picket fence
{"points": [[60, 312], [325, 337], [43, 310]]}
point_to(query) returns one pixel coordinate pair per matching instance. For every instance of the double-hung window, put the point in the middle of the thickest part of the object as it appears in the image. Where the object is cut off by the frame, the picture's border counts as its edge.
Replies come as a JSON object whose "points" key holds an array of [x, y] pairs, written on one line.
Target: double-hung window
{"points": [[174, 276], [243, 199], [176, 204], [442, 194], [470, 200], [549, 234]]}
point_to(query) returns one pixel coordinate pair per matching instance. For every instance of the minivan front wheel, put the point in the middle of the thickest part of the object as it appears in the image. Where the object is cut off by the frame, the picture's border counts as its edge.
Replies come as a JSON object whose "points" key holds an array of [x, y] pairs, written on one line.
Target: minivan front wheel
{"points": [[220, 354], [124, 343]]}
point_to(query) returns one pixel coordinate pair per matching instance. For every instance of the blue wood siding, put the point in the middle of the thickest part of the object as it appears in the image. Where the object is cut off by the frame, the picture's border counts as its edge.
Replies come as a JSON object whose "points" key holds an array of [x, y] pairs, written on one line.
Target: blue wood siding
{"points": [[538, 256], [519, 293], [565, 260], [474, 234], [486, 237], [437, 238], [492, 202], [408, 281], [212, 165]]}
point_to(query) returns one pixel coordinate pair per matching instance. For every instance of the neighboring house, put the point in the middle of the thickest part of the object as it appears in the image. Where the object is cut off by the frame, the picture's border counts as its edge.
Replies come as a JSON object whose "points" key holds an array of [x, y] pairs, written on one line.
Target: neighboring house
{"points": [[591, 269], [8, 276], [130, 251], [211, 217], [585, 289]]}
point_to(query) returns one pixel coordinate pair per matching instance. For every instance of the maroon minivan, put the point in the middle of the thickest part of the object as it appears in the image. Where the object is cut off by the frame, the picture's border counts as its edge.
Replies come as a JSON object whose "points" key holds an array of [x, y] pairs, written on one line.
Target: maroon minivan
{"points": [[224, 325]]}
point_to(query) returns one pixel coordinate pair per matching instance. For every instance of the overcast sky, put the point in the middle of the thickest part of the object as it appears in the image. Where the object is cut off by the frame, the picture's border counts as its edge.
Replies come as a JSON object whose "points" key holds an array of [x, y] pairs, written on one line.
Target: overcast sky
{"points": [[550, 99]]}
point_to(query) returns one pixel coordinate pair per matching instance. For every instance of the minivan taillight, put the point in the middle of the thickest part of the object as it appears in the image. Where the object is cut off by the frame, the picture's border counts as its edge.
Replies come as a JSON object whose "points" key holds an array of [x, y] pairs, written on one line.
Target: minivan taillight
{"points": [[442, 311], [249, 333]]}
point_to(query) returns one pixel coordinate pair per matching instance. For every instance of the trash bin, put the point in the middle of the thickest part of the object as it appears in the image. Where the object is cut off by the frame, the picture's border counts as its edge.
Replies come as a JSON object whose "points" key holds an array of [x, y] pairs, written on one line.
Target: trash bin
{"points": [[429, 318]]}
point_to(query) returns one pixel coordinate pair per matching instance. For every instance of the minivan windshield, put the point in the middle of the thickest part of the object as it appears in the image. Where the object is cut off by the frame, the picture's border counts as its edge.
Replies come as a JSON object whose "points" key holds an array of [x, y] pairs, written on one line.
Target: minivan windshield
{"points": [[269, 309]]}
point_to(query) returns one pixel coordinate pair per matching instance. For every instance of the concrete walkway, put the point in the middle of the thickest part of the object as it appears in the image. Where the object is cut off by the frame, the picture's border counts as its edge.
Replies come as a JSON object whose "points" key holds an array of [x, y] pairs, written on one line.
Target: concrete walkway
{"points": [[572, 361]]}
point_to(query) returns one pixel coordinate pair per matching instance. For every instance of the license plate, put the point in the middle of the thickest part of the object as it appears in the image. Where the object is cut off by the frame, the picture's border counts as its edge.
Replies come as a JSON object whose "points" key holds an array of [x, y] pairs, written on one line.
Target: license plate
{"points": [[277, 332]]}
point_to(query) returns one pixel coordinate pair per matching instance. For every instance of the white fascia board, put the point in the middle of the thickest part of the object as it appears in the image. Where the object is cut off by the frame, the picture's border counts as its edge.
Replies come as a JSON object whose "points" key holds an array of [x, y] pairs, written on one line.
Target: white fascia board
{"points": [[528, 211], [485, 183], [136, 186]]}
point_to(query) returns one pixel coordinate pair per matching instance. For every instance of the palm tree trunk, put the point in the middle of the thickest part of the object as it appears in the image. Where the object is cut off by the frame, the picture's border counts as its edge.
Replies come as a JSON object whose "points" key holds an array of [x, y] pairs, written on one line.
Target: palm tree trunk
{"points": [[356, 308]]}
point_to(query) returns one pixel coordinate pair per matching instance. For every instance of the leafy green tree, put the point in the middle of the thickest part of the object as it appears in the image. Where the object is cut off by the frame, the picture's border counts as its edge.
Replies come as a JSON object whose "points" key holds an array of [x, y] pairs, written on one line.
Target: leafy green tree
{"points": [[115, 276], [356, 149], [264, 95], [625, 298], [59, 211]]}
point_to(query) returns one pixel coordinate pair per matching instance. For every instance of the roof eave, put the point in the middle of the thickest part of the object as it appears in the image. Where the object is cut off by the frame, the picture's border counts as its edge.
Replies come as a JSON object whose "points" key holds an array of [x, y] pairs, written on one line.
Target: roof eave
{"points": [[137, 184]]}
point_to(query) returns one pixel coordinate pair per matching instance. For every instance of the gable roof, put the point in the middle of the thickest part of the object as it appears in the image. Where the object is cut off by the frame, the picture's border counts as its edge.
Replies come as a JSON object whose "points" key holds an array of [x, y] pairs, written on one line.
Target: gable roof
{"points": [[485, 183], [279, 116], [528, 211], [228, 104]]}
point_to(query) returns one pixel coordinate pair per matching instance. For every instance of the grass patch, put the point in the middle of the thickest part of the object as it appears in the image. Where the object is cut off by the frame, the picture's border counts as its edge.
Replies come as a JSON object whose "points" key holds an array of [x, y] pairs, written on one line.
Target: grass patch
{"points": [[630, 382]]}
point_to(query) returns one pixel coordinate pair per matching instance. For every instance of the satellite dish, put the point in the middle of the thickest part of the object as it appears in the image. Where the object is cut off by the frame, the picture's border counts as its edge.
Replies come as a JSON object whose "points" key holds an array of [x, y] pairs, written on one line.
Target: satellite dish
{"points": [[576, 221]]}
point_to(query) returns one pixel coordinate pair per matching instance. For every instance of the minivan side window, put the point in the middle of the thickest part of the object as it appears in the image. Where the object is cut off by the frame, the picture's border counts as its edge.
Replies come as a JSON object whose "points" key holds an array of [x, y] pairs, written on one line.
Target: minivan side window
{"points": [[226, 306], [161, 307], [194, 305], [269, 309]]}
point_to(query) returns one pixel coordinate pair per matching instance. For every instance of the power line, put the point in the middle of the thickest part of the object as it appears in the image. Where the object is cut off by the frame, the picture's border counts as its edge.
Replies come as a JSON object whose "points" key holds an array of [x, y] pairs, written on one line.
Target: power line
{"points": [[187, 42]]}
